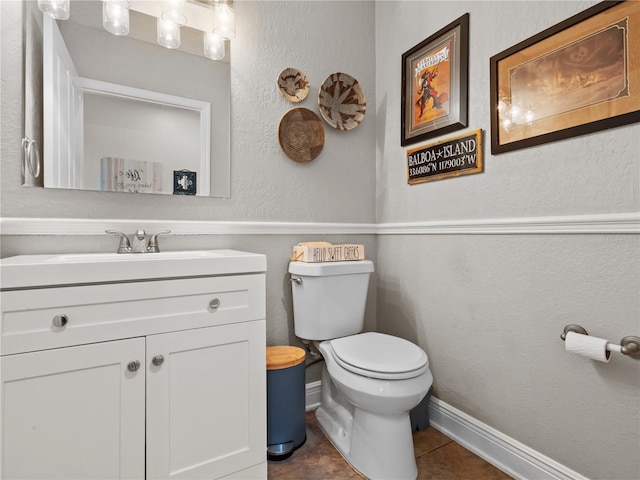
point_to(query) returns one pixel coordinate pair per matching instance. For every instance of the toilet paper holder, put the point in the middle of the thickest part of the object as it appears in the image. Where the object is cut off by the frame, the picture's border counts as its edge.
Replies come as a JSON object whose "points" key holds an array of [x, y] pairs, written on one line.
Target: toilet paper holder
{"points": [[629, 345]]}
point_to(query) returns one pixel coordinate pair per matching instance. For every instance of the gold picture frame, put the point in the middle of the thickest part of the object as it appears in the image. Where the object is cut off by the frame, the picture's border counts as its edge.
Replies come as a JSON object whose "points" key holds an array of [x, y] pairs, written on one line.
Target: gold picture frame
{"points": [[577, 77]]}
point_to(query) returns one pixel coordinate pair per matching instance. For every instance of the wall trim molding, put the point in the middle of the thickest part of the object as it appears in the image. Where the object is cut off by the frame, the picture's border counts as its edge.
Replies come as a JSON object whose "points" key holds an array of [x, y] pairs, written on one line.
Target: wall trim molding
{"points": [[506, 453], [81, 226], [565, 224], [610, 223]]}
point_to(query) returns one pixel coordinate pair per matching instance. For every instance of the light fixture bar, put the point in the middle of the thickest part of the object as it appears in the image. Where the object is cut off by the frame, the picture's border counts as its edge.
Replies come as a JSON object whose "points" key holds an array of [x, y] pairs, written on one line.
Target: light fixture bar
{"points": [[216, 18]]}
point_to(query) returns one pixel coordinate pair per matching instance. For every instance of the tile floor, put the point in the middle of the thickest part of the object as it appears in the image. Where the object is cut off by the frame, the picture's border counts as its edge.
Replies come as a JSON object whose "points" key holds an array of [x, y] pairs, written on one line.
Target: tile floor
{"points": [[438, 458]]}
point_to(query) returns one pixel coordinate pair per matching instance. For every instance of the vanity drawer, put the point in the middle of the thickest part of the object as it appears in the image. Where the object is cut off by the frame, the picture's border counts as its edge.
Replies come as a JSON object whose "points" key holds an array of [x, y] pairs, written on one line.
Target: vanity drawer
{"points": [[39, 319]]}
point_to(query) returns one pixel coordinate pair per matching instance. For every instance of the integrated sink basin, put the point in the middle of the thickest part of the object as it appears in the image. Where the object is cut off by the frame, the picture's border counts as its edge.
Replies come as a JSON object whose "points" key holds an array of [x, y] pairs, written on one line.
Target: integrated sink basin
{"points": [[128, 257], [82, 268]]}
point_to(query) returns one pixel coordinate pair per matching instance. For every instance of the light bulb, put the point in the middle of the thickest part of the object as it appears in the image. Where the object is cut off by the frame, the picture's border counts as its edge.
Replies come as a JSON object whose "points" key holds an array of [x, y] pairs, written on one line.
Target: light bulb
{"points": [[213, 46], [115, 16], [224, 20], [174, 11], [168, 33], [58, 9]]}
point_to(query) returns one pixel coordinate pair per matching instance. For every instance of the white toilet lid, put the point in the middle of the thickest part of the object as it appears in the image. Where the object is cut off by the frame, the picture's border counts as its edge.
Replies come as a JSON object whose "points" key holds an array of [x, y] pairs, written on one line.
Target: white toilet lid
{"points": [[378, 355]]}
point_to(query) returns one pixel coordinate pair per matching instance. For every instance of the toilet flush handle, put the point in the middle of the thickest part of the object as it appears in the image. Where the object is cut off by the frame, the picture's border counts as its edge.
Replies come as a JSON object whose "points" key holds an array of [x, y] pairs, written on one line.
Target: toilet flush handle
{"points": [[297, 280]]}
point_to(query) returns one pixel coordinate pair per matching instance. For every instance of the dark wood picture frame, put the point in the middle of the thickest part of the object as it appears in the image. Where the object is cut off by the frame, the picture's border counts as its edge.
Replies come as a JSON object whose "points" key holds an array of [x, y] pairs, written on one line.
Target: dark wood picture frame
{"points": [[574, 78], [435, 84]]}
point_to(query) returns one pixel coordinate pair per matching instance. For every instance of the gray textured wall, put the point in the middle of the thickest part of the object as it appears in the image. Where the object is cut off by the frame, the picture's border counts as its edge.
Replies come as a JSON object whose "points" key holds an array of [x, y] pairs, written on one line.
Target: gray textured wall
{"points": [[266, 186], [489, 309]]}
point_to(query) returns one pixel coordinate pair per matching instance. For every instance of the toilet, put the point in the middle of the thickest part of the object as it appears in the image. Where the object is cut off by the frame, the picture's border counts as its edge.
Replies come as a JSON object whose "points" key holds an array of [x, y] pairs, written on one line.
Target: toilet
{"points": [[370, 381]]}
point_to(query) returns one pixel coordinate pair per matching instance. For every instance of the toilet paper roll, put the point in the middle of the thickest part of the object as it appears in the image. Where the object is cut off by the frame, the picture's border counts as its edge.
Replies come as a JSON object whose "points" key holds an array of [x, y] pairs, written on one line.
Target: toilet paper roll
{"points": [[587, 346]]}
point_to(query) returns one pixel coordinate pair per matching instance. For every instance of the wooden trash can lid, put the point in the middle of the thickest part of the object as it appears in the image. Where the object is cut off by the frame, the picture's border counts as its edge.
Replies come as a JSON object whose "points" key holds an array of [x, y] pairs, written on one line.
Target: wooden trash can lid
{"points": [[280, 357]]}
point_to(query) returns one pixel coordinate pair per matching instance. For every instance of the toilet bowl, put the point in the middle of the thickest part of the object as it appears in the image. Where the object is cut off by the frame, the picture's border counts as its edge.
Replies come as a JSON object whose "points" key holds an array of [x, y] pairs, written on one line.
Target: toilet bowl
{"points": [[366, 418], [370, 381]]}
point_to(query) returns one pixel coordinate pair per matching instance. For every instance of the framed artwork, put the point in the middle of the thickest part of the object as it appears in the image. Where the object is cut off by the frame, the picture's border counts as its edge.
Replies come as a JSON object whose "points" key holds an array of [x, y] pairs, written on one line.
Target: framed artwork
{"points": [[434, 84], [579, 76], [184, 182]]}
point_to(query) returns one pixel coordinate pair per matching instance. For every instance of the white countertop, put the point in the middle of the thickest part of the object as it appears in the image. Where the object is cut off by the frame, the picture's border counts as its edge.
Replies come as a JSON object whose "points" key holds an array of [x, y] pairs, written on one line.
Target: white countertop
{"points": [[24, 271]]}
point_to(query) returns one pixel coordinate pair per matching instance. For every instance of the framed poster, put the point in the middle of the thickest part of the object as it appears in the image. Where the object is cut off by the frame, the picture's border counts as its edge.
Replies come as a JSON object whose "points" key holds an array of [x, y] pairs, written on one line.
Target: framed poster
{"points": [[579, 76], [434, 84]]}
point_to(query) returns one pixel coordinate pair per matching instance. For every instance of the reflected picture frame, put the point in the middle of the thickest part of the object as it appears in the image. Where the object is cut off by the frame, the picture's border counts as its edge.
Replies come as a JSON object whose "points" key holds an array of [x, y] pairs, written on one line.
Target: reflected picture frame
{"points": [[574, 78], [184, 182], [435, 72]]}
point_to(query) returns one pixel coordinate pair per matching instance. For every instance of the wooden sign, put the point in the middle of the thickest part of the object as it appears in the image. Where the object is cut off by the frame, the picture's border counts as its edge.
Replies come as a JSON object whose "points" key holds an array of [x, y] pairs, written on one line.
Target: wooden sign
{"points": [[452, 157], [313, 252]]}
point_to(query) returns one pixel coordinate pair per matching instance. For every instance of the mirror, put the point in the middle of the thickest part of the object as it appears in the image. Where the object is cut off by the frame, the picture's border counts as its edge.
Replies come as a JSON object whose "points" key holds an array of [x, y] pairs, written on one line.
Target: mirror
{"points": [[121, 113]]}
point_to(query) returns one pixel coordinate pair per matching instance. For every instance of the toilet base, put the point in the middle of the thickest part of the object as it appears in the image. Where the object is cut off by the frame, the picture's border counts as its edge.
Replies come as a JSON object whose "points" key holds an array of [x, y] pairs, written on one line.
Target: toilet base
{"points": [[377, 446]]}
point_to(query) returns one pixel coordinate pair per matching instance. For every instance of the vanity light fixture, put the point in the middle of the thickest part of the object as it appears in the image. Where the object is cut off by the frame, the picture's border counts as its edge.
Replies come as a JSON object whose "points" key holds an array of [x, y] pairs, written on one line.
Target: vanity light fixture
{"points": [[168, 33], [215, 18], [58, 9], [174, 11], [213, 46], [115, 16], [224, 20]]}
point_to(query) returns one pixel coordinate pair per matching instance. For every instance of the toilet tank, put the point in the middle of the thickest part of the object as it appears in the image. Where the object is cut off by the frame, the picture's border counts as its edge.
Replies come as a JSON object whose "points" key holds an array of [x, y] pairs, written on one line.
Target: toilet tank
{"points": [[329, 298]]}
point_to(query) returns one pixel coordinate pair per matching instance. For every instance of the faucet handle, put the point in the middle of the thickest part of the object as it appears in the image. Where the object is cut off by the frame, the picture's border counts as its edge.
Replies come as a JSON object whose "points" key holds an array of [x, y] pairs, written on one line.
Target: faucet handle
{"points": [[124, 246], [153, 241]]}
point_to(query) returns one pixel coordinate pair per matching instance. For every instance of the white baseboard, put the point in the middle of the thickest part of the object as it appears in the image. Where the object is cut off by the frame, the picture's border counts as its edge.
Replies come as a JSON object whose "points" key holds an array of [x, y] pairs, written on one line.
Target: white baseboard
{"points": [[312, 395], [506, 453]]}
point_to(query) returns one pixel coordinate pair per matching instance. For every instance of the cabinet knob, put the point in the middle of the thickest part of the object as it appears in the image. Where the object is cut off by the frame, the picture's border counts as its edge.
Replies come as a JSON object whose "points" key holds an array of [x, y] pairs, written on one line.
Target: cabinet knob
{"points": [[60, 320], [133, 366], [157, 360], [215, 303]]}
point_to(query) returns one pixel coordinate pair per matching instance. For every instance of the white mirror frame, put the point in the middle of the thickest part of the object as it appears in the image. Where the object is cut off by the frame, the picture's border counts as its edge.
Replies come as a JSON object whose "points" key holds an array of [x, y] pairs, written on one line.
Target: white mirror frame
{"points": [[66, 174]]}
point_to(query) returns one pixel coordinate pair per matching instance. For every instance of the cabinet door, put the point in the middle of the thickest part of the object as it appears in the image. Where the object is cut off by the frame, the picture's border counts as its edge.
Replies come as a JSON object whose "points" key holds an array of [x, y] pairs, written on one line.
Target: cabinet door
{"points": [[206, 412], [74, 413]]}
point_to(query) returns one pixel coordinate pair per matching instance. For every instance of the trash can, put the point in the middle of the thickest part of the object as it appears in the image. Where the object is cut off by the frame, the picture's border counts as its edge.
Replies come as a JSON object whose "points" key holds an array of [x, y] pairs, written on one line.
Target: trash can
{"points": [[419, 415], [285, 401]]}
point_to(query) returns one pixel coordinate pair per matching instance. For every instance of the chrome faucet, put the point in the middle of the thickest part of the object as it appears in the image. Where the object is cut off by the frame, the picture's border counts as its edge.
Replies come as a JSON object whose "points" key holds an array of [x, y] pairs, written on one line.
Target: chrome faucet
{"points": [[139, 244], [153, 247]]}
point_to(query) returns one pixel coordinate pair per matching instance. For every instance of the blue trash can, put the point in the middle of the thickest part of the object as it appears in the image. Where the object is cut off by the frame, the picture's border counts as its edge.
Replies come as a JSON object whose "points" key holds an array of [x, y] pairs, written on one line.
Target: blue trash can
{"points": [[285, 401]]}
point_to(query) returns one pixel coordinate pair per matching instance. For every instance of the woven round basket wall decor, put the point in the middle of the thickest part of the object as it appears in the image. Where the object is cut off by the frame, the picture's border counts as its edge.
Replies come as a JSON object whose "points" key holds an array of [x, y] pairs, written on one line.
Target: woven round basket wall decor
{"points": [[293, 85], [301, 135], [341, 101]]}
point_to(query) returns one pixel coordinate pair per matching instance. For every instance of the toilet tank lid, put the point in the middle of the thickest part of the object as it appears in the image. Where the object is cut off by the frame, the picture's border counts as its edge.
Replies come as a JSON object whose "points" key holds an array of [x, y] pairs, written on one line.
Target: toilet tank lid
{"points": [[322, 269]]}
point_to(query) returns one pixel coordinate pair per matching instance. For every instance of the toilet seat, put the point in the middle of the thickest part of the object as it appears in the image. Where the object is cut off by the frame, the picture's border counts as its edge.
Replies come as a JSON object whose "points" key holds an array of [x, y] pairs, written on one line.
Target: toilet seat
{"points": [[380, 356]]}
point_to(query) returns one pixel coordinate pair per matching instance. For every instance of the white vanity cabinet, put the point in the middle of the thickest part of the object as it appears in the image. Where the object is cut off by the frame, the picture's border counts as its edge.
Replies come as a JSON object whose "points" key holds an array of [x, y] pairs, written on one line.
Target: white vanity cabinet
{"points": [[158, 378], [74, 413]]}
